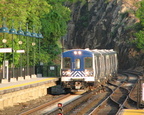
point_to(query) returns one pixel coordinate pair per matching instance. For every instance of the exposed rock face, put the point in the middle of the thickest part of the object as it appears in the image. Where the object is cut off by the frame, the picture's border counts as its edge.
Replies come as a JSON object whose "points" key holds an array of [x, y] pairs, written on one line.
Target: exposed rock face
{"points": [[104, 24]]}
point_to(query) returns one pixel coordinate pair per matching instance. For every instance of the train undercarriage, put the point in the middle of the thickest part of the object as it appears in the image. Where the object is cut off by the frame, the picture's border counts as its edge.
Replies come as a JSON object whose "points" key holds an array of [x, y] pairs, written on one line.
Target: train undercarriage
{"points": [[75, 86]]}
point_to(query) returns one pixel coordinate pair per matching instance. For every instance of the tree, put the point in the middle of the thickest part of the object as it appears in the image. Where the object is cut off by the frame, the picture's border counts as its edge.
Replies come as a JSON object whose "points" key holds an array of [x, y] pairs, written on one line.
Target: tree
{"points": [[48, 15], [140, 39], [140, 34], [54, 25]]}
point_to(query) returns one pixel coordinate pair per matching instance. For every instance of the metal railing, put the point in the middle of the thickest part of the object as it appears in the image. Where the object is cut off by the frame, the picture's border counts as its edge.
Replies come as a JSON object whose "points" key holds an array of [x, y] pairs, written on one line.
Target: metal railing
{"points": [[45, 71], [18, 72]]}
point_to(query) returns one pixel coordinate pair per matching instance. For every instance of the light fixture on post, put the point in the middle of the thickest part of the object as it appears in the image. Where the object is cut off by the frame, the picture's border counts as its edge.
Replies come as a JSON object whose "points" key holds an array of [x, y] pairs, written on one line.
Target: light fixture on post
{"points": [[40, 36], [34, 35], [27, 34], [20, 33], [12, 31], [4, 30]]}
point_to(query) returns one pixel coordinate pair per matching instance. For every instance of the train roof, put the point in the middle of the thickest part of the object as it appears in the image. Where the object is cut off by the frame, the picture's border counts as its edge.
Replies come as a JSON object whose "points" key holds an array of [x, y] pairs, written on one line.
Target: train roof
{"points": [[94, 51], [72, 51], [103, 51], [77, 50]]}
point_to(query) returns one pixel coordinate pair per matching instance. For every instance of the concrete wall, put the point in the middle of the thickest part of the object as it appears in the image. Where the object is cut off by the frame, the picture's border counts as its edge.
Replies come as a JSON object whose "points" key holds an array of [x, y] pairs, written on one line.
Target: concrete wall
{"points": [[27, 94]]}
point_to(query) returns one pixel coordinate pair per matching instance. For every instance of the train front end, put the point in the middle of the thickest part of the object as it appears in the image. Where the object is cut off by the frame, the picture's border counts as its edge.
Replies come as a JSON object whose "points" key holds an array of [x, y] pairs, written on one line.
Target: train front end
{"points": [[77, 70]]}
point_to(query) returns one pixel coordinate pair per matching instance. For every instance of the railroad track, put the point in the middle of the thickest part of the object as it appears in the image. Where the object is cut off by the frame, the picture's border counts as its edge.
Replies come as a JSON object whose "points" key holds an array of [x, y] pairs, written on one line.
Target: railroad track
{"points": [[113, 97], [48, 109], [40, 108], [117, 100], [96, 100], [110, 103], [69, 101]]}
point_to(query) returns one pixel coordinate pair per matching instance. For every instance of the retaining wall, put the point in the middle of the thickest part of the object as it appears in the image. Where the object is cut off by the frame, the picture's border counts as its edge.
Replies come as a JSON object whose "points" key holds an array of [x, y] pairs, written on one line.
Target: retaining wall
{"points": [[11, 97]]}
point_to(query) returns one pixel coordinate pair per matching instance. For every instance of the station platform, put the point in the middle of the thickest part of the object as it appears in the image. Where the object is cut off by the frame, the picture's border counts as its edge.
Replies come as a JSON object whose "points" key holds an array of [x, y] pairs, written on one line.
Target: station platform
{"points": [[132, 112], [18, 85], [12, 93]]}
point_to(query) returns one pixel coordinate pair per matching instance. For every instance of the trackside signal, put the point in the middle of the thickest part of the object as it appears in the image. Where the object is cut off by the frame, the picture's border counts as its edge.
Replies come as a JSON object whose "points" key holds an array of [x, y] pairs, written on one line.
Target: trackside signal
{"points": [[60, 114], [60, 105]]}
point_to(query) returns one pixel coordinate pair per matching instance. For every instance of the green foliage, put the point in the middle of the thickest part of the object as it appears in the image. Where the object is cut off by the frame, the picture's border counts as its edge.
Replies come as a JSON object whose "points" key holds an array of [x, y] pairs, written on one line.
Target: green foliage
{"points": [[140, 34], [140, 13], [140, 39], [48, 15], [54, 25], [24, 11]]}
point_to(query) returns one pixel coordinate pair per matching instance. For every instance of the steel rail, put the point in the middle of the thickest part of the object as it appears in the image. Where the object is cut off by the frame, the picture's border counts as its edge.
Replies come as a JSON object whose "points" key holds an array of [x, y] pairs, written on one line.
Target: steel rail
{"points": [[128, 97], [43, 105], [109, 97]]}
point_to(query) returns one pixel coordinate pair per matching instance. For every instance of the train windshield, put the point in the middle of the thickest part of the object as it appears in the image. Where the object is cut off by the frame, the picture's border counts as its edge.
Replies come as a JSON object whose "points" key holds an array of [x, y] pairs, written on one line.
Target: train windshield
{"points": [[88, 62], [66, 62]]}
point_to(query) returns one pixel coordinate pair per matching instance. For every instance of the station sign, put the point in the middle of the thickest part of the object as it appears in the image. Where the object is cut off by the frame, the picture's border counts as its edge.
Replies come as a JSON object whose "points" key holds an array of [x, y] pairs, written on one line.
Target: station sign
{"points": [[20, 51], [5, 50], [142, 91], [52, 68]]}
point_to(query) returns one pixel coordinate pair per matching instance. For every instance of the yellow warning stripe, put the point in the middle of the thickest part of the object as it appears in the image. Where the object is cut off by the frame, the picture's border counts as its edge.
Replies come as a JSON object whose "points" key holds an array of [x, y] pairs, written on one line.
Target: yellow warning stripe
{"points": [[13, 86], [132, 112]]}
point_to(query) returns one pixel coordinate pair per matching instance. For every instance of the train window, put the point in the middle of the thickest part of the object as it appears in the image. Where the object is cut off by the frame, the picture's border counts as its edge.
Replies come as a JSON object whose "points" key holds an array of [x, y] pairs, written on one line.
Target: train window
{"points": [[88, 62], [66, 62], [77, 64]]}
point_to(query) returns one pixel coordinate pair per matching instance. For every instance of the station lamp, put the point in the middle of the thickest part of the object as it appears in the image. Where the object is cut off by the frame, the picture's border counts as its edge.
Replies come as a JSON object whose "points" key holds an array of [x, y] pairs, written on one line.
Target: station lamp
{"points": [[20, 32], [12, 30], [4, 29], [33, 34], [40, 36]]}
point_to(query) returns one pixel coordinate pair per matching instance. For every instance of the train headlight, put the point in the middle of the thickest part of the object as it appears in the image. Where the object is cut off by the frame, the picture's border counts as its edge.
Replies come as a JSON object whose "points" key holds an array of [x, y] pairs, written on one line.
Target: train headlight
{"points": [[89, 73], [77, 53], [66, 73]]}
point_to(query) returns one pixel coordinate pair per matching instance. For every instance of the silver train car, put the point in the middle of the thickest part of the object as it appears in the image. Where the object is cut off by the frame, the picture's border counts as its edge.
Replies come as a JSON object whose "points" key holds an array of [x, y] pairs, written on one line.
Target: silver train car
{"points": [[85, 68]]}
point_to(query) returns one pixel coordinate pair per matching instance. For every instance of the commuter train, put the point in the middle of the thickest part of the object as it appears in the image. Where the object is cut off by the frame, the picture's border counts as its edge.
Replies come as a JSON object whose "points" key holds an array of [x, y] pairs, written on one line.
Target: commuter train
{"points": [[85, 68]]}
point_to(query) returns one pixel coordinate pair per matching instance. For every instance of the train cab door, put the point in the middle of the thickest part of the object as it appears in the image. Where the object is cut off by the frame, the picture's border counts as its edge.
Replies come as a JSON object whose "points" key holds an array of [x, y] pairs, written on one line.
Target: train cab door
{"points": [[77, 64]]}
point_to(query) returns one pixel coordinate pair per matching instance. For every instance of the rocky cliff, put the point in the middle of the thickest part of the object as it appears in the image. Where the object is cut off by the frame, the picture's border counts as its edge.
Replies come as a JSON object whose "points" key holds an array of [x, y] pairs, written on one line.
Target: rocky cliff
{"points": [[105, 24]]}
